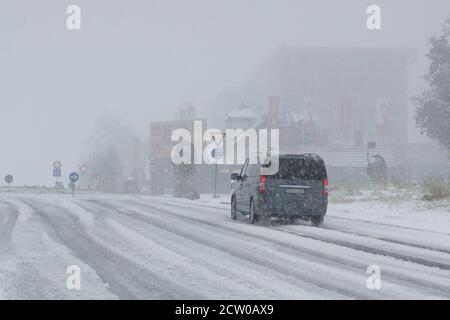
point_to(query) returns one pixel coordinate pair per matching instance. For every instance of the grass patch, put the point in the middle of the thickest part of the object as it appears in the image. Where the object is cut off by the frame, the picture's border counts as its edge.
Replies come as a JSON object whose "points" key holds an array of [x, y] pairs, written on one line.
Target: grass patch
{"points": [[436, 189]]}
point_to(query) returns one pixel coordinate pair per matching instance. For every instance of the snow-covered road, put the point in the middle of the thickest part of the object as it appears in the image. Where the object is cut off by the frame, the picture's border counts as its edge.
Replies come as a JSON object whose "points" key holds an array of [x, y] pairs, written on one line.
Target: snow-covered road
{"points": [[163, 248]]}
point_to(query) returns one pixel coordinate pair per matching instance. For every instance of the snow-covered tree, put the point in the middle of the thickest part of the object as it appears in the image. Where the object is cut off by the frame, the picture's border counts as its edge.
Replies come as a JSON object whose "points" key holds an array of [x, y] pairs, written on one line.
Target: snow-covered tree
{"points": [[112, 154], [433, 106]]}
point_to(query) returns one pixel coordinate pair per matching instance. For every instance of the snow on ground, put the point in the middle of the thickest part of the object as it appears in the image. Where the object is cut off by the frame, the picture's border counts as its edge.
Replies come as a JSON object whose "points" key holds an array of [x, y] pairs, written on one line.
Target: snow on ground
{"points": [[391, 205], [134, 247], [34, 263]]}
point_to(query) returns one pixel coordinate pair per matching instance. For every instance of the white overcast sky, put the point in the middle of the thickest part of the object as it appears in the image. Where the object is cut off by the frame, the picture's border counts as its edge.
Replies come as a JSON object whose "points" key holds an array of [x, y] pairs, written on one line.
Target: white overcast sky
{"points": [[141, 59]]}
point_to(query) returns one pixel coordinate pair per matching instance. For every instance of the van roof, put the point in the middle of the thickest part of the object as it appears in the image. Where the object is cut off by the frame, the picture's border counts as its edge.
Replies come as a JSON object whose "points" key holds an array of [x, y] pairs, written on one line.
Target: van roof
{"points": [[312, 155], [304, 155]]}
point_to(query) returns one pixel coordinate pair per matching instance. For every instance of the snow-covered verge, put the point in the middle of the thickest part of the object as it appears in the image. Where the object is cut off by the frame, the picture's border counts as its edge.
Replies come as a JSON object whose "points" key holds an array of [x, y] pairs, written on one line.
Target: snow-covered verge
{"points": [[344, 193], [391, 204]]}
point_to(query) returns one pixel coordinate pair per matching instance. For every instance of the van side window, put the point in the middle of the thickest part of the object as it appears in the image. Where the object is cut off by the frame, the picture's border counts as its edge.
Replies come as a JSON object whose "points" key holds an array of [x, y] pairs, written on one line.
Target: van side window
{"points": [[253, 170]]}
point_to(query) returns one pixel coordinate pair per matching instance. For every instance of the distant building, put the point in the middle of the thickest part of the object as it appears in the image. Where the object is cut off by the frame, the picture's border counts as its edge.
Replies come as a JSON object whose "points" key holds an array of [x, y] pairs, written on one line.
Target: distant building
{"points": [[339, 96], [241, 117], [328, 100], [161, 167]]}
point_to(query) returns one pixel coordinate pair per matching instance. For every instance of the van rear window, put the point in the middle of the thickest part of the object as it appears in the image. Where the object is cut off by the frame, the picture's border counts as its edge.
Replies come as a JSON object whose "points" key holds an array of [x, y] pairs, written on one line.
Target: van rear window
{"points": [[301, 168]]}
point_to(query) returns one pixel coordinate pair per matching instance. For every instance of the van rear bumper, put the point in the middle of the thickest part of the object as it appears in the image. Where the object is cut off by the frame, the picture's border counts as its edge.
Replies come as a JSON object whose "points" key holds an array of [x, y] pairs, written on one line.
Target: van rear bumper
{"points": [[298, 214], [292, 210]]}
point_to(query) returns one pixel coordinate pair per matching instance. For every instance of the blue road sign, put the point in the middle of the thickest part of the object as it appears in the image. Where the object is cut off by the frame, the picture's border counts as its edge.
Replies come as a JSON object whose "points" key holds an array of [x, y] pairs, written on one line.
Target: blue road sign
{"points": [[57, 173], [74, 177], [217, 153]]}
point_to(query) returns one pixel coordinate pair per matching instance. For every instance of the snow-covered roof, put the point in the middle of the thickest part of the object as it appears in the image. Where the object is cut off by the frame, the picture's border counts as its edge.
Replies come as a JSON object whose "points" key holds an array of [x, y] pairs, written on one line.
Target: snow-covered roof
{"points": [[349, 157], [242, 111]]}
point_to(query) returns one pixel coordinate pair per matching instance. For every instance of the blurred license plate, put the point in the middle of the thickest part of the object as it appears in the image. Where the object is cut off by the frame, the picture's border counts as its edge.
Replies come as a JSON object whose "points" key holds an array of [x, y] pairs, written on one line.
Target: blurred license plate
{"points": [[297, 191]]}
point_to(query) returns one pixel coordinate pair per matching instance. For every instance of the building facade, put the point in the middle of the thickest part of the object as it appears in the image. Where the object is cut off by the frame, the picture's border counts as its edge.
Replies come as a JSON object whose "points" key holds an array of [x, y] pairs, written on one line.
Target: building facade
{"points": [[347, 96], [332, 95]]}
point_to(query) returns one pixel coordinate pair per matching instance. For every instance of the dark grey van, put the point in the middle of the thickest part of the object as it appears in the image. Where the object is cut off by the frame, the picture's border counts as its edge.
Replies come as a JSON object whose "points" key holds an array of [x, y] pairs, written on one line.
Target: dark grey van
{"points": [[299, 189]]}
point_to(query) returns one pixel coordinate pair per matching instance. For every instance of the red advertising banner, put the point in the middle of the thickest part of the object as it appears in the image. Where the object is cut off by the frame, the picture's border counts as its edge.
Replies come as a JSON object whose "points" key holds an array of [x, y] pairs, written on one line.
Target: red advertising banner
{"points": [[383, 116]]}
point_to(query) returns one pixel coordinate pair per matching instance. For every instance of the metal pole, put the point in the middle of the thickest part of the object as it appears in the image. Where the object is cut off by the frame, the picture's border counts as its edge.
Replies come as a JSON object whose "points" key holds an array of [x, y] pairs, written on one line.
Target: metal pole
{"points": [[367, 155], [215, 181], [215, 166]]}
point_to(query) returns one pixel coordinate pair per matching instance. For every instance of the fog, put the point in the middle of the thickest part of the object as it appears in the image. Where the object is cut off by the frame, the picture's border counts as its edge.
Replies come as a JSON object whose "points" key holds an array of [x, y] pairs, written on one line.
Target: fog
{"points": [[142, 59]]}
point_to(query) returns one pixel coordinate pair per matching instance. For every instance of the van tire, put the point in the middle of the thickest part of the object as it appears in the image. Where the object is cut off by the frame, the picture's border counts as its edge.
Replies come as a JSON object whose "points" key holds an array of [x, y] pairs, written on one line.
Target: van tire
{"points": [[317, 221], [233, 208]]}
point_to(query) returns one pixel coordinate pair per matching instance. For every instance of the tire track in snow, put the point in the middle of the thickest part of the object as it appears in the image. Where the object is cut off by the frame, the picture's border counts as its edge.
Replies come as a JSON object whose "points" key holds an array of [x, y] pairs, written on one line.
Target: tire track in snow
{"points": [[196, 205], [382, 238], [399, 256], [233, 268], [7, 228], [373, 250], [390, 225], [313, 280], [394, 276], [23, 272], [126, 279], [208, 273]]}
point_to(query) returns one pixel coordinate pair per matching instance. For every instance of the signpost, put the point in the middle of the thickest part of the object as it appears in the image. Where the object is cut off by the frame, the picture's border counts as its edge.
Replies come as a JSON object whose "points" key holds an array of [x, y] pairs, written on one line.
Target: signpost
{"points": [[217, 154], [57, 165], [57, 173], [73, 177], [83, 169], [9, 179]]}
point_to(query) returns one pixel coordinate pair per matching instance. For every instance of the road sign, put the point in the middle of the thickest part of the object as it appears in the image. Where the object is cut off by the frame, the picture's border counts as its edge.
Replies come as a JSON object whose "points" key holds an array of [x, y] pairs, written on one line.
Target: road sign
{"points": [[57, 173], [74, 177], [83, 169], [217, 153], [57, 165], [9, 179]]}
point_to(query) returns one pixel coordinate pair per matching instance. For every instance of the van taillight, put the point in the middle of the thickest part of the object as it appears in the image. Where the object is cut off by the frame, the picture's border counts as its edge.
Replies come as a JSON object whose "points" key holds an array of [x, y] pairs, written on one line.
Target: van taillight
{"points": [[325, 186], [262, 183]]}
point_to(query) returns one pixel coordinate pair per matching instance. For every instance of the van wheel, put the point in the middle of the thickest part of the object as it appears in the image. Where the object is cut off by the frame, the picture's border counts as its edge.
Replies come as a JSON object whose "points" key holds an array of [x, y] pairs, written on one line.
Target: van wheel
{"points": [[253, 215], [233, 208], [317, 221]]}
